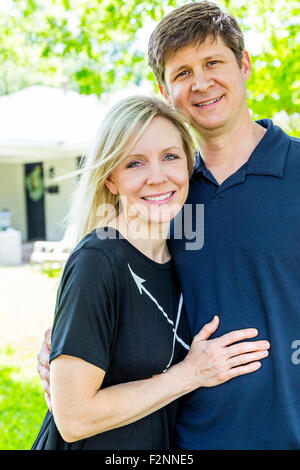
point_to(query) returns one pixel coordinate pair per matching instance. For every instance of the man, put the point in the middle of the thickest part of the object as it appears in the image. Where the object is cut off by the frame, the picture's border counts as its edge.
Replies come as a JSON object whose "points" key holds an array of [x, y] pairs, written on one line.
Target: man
{"points": [[248, 270]]}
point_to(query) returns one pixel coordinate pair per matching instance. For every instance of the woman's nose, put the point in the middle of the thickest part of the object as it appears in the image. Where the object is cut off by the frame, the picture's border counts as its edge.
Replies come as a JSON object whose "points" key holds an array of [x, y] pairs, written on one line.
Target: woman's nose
{"points": [[156, 175]]}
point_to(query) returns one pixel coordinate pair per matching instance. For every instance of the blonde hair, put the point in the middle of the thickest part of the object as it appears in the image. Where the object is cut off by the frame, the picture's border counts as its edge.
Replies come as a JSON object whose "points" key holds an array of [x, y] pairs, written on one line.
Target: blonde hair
{"points": [[121, 128]]}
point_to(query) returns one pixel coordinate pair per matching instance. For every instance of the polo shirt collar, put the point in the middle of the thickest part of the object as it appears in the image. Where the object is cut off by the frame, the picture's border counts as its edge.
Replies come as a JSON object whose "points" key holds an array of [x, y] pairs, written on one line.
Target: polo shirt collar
{"points": [[268, 157]]}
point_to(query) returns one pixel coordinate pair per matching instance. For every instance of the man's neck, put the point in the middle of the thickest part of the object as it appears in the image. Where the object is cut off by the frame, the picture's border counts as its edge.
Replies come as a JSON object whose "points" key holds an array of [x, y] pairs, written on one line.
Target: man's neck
{"points": [[224, 153]]}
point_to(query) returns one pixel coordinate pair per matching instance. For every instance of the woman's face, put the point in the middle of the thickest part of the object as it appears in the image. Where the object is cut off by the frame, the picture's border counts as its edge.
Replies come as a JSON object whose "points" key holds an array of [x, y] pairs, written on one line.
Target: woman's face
{"points": [[152, 182]]}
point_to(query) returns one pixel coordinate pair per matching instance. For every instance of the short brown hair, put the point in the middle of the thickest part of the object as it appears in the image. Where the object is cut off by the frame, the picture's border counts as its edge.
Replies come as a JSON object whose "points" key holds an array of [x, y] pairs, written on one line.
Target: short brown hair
{"points": [[192, 24]]}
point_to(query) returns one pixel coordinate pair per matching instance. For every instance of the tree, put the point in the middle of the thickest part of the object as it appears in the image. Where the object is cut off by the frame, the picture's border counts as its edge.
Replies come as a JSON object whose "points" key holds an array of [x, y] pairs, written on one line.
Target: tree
{"points": [[273, 33], [94, 44]]}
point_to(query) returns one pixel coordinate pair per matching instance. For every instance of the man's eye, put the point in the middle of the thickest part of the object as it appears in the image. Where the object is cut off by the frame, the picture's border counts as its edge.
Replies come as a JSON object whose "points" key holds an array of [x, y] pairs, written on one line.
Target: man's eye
{"points": [[182, 74], [213, 62]]}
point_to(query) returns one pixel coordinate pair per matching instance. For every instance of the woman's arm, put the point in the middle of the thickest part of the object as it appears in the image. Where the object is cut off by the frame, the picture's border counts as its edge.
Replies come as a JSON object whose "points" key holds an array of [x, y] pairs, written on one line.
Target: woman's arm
{"points": [[82, 410]]}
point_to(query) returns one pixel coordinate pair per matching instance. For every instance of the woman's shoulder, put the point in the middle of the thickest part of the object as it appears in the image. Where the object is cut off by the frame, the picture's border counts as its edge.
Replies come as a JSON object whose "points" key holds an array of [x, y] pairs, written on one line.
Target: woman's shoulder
{"points": [[101, 243], [95, 262]]}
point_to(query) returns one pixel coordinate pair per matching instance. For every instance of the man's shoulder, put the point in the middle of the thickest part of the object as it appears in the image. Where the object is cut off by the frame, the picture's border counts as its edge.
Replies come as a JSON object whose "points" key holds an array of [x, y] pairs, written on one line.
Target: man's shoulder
{"points": [[294, 148], [281, 132], [295, 140]]}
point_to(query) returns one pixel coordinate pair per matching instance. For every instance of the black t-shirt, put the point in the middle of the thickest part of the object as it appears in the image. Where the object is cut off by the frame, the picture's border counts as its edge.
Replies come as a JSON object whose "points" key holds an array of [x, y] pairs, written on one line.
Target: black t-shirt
{"points": [[121, 311]]}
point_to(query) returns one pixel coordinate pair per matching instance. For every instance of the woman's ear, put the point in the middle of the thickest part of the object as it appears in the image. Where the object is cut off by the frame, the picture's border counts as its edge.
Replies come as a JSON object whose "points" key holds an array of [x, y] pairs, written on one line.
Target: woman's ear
{"points": [[111, 185]]}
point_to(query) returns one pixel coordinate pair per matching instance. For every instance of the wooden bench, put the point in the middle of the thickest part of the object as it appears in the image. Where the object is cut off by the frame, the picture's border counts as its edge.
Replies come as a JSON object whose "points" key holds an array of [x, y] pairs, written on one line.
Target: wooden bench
{"points": [[49, 255]]}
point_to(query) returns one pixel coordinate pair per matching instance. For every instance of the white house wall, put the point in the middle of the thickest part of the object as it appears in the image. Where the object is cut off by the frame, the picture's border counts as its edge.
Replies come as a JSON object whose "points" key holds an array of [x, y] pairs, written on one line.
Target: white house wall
{"points": [[12, 195], [57, 205]]}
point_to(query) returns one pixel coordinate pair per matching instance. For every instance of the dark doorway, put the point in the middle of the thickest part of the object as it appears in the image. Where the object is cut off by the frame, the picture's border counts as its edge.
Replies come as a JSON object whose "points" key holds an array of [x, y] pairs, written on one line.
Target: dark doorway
{"points": [[34, 187]]}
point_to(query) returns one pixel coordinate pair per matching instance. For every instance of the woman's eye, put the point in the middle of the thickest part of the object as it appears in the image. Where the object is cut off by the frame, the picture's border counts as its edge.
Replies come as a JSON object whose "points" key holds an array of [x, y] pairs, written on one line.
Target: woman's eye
{"points": [[133, 164], [171, 156]]}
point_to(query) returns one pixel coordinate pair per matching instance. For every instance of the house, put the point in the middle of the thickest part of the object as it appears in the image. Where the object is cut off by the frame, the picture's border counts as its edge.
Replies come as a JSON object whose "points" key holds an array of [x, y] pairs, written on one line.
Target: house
{"points": [[44, 132]]}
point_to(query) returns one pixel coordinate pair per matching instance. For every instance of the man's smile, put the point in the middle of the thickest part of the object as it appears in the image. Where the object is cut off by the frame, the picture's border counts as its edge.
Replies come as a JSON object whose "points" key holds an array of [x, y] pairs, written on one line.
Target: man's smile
{"points": [[205, 104]]}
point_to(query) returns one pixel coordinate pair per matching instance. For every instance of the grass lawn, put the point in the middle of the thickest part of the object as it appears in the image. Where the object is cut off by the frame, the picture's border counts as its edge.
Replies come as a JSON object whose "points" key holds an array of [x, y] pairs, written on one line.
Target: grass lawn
{"points": [[27, 301], [22, 407]]}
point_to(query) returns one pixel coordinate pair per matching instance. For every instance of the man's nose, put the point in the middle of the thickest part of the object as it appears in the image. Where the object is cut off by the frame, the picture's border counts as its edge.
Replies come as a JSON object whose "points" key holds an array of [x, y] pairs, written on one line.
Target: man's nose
{"points": [[156, 174], [201, 81]]}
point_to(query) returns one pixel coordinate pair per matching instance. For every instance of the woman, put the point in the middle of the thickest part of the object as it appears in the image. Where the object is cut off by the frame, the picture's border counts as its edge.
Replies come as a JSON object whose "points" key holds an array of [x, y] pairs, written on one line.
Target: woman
{"points": [[120, 354]]}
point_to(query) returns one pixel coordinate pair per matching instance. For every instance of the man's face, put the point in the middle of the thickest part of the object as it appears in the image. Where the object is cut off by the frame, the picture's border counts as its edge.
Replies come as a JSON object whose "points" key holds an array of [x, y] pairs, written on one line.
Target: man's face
{"points": [[208, 86]]}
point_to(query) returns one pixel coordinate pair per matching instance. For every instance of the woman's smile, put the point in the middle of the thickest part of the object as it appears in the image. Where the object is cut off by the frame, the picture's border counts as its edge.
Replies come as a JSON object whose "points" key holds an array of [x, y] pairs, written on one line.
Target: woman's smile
{"points": [[159, 199]]}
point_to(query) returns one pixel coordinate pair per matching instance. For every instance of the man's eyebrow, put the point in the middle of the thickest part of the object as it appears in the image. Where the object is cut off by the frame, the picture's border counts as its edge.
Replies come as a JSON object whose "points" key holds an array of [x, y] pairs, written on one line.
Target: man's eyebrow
{"points": [[177, 69], [185, 66], [209, 57], [213, 56]]}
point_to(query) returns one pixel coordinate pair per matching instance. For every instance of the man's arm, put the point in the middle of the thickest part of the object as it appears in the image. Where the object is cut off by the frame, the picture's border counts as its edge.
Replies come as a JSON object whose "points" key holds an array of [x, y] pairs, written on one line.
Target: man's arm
{"points": [[43, 366]]}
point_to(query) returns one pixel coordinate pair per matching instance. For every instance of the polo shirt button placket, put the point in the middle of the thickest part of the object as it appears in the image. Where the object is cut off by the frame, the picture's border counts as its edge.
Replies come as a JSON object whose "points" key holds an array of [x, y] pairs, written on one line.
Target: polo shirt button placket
{"points": [[218, 196]]}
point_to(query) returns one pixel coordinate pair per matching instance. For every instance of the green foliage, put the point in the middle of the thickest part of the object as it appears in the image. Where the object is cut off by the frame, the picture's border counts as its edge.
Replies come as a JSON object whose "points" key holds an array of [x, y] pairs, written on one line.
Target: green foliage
{"points": [[22, 408], [53, 272], [94, 43], [274, 38]]}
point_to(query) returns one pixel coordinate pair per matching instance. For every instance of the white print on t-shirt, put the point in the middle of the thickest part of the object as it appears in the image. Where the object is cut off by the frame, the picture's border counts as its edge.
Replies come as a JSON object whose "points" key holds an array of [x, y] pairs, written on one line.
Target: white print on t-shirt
{"points": [[139, 282]]}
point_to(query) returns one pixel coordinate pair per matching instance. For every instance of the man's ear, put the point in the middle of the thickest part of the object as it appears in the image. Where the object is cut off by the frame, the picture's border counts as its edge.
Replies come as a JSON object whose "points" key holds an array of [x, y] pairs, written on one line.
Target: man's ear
{"points": [[164, 95], [111, 185], [246, 65]]}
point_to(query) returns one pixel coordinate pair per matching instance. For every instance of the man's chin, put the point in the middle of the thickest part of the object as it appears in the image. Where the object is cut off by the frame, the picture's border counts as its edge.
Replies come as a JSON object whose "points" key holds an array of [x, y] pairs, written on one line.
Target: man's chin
{"points": [[209, 127]]}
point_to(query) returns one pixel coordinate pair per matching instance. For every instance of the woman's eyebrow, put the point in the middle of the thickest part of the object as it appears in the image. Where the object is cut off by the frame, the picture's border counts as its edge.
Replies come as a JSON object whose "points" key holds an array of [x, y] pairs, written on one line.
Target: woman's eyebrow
{"points": [[163, 150], [172, 148]]}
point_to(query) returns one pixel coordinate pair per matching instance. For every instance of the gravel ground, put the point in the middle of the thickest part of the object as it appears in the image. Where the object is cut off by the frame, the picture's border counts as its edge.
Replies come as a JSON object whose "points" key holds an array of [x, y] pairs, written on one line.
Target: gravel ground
{"points": [[27, 299]]}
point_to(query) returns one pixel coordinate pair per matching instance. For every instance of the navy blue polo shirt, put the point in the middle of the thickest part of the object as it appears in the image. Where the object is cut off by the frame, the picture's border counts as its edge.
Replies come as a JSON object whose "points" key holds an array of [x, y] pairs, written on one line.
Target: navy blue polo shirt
{"points": [[247, 272]]}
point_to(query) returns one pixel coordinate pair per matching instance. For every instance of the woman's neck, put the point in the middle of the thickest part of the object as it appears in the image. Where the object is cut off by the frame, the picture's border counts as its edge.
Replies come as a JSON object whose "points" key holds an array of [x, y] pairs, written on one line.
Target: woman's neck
{"points": [[149, 239]]}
